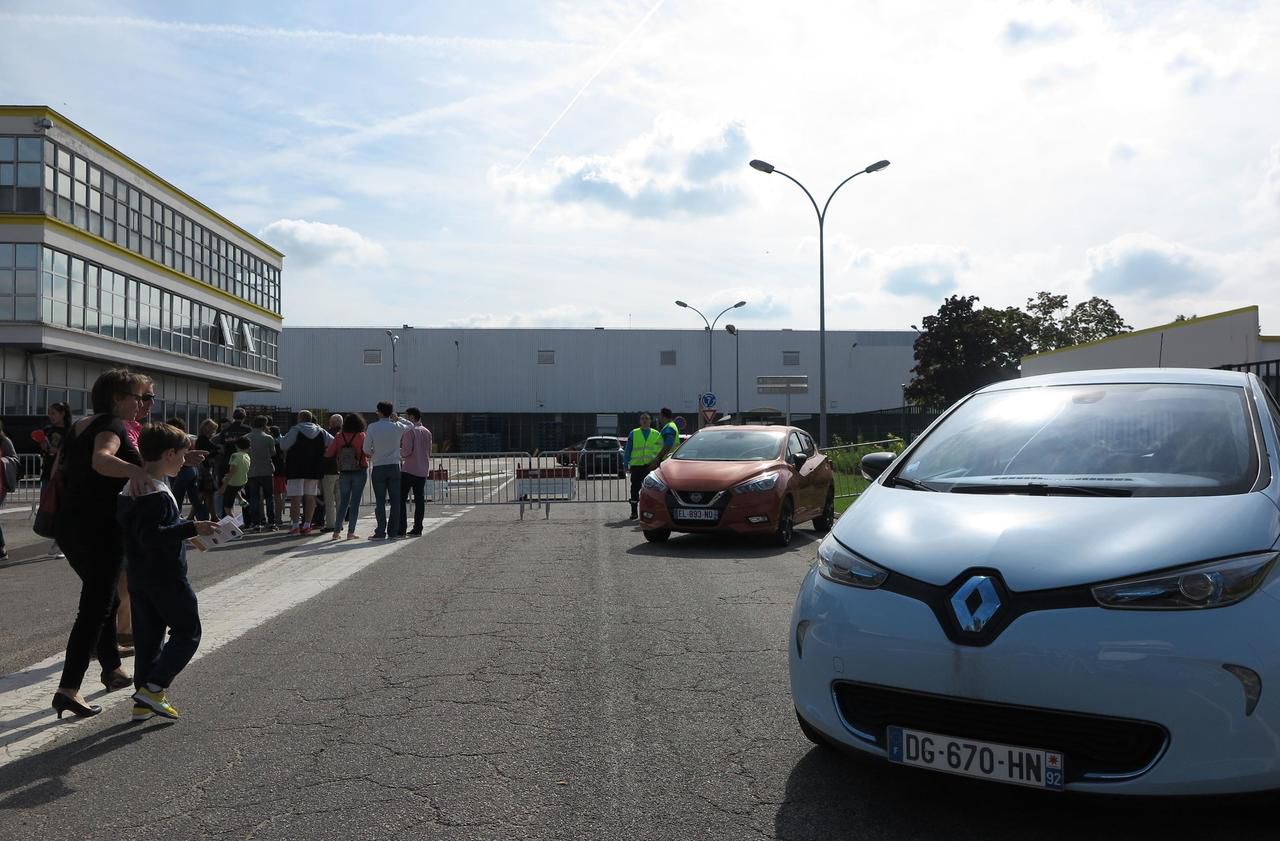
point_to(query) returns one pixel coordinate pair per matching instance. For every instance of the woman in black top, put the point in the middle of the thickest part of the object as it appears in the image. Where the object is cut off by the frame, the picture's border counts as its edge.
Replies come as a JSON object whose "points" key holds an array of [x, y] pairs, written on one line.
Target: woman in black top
{"points": [[59, 425], [98, 457]]}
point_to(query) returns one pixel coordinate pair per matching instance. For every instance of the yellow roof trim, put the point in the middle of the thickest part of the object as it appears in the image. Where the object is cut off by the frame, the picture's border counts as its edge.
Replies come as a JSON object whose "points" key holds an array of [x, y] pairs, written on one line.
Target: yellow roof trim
{"points": [[1158, 328], [1270, 338], [37, 111], [48, 221]]}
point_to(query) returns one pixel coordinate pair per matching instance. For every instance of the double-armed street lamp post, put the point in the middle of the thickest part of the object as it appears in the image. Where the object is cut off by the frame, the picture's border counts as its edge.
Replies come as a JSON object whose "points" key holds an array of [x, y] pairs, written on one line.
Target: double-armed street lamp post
{"points": [[769, 168], [711, 326], [737, 375]]}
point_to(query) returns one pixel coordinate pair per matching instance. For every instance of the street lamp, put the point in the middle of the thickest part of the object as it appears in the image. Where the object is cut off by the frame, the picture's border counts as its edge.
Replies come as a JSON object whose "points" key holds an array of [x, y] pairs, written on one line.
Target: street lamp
{"points": [[737, 375], [711, 326], [769, 168], [395, 365]]}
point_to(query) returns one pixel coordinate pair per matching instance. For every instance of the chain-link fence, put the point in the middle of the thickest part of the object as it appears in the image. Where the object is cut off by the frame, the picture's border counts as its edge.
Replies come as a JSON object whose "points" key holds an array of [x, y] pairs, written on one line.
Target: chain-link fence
{"points": [[845, 460]]}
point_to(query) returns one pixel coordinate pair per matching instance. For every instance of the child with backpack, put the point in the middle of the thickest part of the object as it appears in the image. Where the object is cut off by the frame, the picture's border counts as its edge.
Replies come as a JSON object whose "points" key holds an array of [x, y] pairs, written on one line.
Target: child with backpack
{"points": [[347, 448]]}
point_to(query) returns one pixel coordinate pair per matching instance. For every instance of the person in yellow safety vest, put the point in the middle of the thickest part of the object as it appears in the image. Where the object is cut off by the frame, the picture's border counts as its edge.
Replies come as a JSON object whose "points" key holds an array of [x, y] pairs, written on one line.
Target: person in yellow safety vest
{"points": [[670, 433], [641, 452]]}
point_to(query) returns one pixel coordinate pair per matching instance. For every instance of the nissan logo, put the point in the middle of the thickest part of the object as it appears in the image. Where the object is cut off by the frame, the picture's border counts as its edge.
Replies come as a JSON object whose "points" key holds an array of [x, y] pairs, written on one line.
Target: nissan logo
{"points": [[975, 603]]}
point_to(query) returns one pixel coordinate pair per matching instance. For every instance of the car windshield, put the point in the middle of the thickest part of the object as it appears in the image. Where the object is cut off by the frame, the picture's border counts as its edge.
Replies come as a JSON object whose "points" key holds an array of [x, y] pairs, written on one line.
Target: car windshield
{"points": [[602, 444], [1116, 439], [738, 445]]}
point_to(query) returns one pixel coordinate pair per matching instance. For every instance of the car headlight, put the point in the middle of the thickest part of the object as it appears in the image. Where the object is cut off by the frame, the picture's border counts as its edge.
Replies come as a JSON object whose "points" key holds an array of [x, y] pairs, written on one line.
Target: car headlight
{"points": [[767, 482], [1215, 584], [652, 482], [838, 564]]}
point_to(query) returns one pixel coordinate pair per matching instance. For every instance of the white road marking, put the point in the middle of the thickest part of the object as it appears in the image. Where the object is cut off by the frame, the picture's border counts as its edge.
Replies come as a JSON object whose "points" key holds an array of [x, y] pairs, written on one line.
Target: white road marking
{"points": [[228, 609]]}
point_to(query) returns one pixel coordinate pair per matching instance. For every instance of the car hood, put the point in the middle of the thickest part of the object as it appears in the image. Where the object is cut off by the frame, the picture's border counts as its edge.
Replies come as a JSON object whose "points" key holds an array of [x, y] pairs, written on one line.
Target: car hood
{"points": [[1044, 542], [711, 475]]}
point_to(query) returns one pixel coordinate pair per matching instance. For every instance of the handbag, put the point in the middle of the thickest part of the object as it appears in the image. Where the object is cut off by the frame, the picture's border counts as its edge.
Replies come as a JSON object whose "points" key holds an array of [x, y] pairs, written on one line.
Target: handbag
{"points": [[51, 497]]}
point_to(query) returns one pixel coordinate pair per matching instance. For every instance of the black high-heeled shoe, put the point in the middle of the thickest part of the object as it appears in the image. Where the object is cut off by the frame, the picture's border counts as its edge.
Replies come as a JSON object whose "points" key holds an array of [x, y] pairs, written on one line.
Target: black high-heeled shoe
{"points": [[116, 680], [65, 703]]}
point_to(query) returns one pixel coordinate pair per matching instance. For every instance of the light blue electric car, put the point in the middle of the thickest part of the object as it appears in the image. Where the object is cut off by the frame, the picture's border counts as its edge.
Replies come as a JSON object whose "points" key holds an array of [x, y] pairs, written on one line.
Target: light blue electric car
{"points": [[1068, 582]]}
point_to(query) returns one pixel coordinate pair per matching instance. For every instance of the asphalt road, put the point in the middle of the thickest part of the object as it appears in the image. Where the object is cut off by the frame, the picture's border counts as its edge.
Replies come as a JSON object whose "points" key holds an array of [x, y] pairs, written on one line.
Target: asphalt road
{"points": [[546, 679]]}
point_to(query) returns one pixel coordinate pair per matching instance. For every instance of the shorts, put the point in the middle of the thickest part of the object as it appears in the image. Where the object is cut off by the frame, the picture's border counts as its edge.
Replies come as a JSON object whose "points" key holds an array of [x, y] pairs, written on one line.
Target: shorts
{"points": [[278, 484], [303, 487]]}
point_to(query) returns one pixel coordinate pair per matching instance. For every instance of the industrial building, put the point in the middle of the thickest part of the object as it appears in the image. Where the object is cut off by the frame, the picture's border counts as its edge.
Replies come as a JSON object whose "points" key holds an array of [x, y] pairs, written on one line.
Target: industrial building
{"points": [[104, 263], [526, 389], [1231, 339]]}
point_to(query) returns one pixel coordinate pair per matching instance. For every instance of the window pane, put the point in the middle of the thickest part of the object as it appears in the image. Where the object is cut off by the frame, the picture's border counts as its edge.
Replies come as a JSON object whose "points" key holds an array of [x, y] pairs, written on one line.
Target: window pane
{"points": [[29, 149], [8, 149], [29, 175]]}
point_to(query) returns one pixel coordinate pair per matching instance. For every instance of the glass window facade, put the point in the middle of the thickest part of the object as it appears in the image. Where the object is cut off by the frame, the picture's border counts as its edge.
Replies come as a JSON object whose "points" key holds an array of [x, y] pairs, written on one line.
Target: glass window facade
{"points": [[82, 194], [43, 284]]}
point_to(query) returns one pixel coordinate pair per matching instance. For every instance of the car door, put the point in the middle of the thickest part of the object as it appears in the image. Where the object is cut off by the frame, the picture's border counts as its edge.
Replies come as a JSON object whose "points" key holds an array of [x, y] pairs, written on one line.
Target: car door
{"points": [[818, 468], [801, 479]]}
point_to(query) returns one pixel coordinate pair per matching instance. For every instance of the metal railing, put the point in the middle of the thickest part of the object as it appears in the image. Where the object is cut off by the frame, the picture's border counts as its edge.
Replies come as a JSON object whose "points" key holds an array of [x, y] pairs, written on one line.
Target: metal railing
{"points": [[845, 461], [28, 490]]}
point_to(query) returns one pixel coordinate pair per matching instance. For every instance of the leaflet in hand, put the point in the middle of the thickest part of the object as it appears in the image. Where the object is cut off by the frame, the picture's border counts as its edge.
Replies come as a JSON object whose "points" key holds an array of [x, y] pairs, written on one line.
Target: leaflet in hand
{"points": [[229, 529]]}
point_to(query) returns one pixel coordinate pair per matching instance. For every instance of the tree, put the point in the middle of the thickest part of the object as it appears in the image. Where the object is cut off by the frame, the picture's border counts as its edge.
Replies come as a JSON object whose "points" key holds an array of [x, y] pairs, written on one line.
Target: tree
{"points": [[964, 347]]}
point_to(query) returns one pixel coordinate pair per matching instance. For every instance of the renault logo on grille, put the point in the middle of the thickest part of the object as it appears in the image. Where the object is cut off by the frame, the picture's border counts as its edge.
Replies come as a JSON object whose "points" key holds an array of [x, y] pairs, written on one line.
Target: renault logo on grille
{"points": [[975, 603]]}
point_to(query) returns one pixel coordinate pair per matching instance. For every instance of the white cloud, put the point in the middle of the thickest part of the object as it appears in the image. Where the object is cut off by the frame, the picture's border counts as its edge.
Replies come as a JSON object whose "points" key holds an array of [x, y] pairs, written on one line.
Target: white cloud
{"points": [[1271, 180], [312, 244], [1121, 152], [1139, 263], [675, 169], [915, 271]]}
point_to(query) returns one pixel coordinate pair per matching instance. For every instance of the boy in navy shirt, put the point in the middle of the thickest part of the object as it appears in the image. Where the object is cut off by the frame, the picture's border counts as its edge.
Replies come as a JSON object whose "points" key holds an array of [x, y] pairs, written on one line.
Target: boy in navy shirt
{"points": [[155, 538]]}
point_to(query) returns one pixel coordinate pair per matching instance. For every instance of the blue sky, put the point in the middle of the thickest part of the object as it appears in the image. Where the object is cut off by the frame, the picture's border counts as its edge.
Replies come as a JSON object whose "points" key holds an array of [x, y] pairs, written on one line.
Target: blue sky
{"points": [[584, 164]]}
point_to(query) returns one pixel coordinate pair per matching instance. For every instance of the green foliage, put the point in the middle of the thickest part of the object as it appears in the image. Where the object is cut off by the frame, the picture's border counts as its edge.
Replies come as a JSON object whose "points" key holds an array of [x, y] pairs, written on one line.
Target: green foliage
{"points": [[965, 347]]}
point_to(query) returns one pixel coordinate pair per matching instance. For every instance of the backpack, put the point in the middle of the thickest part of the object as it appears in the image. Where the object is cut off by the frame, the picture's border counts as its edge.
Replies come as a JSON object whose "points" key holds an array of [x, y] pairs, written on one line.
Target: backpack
{"points": [[348, 458]]}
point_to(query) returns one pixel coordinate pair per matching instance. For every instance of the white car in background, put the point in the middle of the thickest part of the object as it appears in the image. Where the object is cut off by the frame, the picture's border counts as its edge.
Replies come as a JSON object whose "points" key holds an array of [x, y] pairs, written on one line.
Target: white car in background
{"points": [[1068, 582]]}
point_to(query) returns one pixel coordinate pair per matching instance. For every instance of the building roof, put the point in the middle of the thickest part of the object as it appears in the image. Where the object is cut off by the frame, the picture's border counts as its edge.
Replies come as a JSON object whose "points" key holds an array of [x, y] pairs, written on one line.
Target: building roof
{"points": [[38, 111], [1172, 325]]}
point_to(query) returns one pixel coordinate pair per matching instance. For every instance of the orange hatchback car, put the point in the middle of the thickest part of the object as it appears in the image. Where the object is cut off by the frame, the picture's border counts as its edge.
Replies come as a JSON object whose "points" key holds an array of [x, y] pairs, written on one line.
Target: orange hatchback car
{"points": [[741, 479]]}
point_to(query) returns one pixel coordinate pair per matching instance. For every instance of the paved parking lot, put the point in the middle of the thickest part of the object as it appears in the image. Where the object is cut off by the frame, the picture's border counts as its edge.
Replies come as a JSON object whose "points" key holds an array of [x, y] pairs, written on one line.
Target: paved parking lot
{"points": [[500, 678]]}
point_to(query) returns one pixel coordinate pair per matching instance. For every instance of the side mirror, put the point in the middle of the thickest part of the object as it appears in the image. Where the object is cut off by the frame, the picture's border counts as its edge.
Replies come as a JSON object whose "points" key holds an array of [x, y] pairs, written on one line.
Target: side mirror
{"points": [[873, 464], [799, 459]]}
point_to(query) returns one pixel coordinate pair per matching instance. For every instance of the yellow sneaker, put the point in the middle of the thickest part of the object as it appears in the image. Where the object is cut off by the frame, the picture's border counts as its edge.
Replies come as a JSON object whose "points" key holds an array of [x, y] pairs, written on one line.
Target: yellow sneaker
{"points": [[156, 701], [141, 712]]}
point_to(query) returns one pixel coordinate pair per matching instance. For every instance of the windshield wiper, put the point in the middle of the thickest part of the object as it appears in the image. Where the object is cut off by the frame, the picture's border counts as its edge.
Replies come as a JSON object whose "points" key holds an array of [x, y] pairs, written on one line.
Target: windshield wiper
{"points": [[904, 482], [1040, 489]]}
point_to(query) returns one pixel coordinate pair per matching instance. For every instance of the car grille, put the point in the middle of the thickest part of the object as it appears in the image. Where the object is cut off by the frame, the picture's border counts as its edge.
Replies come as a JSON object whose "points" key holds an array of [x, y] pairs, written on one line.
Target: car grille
{"points": [[1095, 747], [705, 497]]}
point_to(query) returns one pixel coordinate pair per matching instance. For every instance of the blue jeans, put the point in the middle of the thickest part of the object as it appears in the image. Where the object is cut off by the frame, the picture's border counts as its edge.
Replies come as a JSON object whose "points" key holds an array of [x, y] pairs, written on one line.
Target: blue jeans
{"points": [[184, 488], [259, 489], [350, 489], [160, 600], [386, 483]]}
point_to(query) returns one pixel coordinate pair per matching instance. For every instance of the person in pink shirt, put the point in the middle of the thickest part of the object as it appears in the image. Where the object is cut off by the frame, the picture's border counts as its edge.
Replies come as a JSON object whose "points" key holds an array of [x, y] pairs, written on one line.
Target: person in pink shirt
{"points": [[415, 455]]}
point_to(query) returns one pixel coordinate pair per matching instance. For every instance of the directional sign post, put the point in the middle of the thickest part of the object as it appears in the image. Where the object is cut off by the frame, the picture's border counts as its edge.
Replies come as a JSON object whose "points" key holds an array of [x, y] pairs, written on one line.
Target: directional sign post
{"points": [[707, 406], [788, 385]]}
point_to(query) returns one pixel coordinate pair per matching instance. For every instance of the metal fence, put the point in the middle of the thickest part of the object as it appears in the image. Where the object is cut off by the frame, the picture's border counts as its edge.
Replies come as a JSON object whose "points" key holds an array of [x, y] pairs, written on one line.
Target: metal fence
{"points": [[527, 480], [845, 461], [28, 490]]}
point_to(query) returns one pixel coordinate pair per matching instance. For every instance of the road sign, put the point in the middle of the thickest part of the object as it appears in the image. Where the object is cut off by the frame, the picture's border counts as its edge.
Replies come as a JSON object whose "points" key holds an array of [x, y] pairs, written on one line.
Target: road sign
{"points": [[708, 415], [789, 384], [708, 401]]}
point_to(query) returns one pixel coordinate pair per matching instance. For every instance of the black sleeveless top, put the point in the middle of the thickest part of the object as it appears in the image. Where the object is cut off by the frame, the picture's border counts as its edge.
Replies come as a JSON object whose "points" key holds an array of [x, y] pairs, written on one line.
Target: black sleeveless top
{"points": [[91, 497]]}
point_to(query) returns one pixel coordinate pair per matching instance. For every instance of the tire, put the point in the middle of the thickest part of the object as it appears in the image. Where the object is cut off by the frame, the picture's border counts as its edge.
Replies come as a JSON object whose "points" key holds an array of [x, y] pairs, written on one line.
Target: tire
{"points": [[824, 521], [657, 535], [786, 524], [812, 733]]}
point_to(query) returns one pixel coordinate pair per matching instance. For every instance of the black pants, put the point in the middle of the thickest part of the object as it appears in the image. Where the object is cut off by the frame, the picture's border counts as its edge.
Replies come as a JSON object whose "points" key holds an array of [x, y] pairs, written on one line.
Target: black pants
{"points": [[260, 492], [162, 600], [417, 485], [96, 555], [638, 472]]}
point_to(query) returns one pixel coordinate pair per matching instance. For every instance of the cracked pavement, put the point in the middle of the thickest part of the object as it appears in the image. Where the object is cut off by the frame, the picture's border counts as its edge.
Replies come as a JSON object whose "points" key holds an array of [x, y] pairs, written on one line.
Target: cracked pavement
{"points": [[543, 679]]}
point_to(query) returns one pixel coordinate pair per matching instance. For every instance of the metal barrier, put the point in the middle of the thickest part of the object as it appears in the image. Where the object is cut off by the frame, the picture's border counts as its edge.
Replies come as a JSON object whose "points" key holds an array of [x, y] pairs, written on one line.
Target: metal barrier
{"points": [[28, 490], [529, 481], [845, 461]]}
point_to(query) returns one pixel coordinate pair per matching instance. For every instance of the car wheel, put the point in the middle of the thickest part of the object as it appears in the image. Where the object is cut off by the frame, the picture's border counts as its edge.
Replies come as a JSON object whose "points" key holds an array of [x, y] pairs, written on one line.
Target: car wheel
{"points": [[786, 524], [812, 733], [824, 521], [657, 535]]}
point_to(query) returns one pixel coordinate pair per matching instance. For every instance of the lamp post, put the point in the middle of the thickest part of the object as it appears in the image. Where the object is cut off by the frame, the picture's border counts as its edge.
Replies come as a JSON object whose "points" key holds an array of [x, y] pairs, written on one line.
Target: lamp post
{"points": [[711, 326], [737, 374], [395, 364], [769, 168]]}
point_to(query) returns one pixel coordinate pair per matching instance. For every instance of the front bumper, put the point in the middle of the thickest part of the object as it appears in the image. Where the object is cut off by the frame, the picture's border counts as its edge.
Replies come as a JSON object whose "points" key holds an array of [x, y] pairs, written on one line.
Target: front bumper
{"points": [[1115, 668], [753, 513]]}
